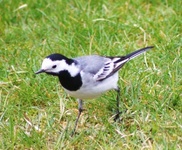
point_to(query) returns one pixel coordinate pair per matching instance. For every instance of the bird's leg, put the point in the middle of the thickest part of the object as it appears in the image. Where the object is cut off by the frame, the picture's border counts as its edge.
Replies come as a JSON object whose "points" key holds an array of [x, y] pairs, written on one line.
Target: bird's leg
{"points": [[117, 104], [80, 109]]}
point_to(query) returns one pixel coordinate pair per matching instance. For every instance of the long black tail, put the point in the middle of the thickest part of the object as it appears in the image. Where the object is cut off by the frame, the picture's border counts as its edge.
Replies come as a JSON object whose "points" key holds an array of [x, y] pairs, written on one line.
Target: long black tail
{"points": [[138, 52], [118, 62]]}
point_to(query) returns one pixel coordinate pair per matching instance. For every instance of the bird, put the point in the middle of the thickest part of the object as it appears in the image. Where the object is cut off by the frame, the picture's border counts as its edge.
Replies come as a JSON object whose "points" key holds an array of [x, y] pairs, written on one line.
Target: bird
{"points": [[87, 77]]}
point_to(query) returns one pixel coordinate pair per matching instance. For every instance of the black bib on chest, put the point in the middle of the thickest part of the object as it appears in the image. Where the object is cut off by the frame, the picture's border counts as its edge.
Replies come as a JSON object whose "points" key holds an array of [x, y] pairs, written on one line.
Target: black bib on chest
{"points": [[68, 82]]}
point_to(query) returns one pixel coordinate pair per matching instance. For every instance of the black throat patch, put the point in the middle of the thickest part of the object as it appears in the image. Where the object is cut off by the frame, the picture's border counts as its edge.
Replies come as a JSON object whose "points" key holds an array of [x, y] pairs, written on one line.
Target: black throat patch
{"points": [[68, 82]]}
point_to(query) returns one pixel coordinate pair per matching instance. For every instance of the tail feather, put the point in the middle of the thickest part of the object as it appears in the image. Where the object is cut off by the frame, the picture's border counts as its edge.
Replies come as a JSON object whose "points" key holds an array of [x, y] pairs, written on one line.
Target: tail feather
{"points": [[115, 63], [123, 59], [120, 61], [138, 52]]}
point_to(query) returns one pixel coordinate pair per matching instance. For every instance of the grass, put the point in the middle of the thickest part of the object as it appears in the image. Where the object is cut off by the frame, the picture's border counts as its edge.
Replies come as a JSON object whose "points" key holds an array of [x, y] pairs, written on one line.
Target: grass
{"points": [[35, 112]]}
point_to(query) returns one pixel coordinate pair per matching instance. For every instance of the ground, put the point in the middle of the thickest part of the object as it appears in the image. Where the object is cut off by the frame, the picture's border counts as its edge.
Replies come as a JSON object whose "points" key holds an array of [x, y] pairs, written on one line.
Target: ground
{"points": [[36, 113]]}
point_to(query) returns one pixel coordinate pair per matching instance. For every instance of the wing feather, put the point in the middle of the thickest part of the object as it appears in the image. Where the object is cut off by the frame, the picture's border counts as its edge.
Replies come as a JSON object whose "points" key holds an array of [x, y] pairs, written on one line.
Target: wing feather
{"points": [[110, 67], [115, 63]]}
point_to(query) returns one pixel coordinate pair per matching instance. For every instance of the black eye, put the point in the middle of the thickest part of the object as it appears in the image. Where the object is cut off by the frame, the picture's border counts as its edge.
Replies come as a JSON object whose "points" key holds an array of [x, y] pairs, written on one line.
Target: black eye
{"points": [[54, 66]]}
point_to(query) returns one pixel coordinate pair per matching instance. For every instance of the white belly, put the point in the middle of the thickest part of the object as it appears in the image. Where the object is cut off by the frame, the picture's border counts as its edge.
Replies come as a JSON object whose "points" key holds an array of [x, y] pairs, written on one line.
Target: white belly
{"points": [[92, 89]]}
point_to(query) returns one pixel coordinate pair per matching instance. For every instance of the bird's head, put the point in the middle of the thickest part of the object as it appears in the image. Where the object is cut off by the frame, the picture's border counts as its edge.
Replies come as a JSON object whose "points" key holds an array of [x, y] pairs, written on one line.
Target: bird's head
{"points": [[55, 63]]}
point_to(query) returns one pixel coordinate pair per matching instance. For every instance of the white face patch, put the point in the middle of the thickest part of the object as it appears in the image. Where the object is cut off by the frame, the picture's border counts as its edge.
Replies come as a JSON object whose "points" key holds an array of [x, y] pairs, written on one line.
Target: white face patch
{"points": [[59, 65], [47, 64]]}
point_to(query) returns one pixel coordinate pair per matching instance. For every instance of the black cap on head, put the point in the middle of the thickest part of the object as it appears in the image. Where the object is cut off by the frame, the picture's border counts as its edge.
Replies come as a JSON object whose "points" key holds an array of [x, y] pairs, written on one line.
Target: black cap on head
{"points": [[57, 56]]}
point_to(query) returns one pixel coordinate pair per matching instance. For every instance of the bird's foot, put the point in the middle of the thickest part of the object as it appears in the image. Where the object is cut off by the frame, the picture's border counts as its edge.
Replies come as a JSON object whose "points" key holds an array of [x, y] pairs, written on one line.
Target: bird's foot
{"points": [[116, 117]]}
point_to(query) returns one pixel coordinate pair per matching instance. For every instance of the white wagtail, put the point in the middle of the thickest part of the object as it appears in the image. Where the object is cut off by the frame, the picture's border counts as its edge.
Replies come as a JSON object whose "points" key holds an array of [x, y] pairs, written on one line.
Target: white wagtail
{"points": [[87, 77]]}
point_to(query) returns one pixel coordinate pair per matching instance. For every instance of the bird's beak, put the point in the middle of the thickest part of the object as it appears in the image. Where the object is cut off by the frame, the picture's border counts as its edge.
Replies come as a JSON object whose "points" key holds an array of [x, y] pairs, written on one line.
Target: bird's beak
{"points": [[40, 71]]}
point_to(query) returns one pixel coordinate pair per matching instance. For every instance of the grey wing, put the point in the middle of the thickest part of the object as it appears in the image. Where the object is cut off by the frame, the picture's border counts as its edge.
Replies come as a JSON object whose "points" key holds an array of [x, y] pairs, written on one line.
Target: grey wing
{"points": [[104, 67], [113, 64], [100, 67], [110, 67], [91, 64]]}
